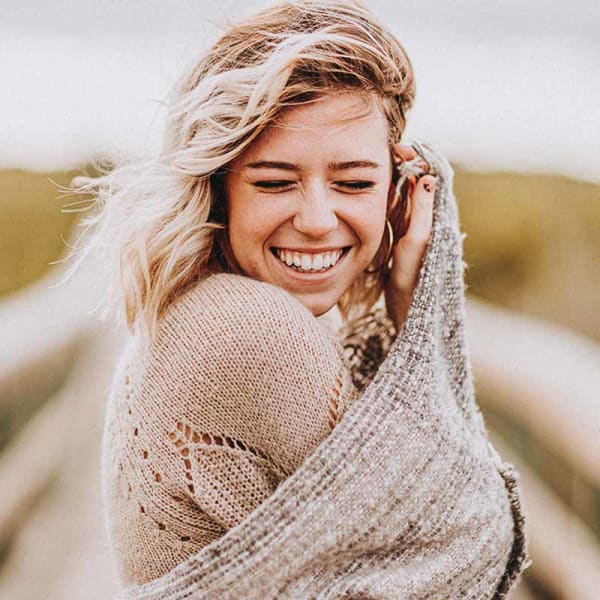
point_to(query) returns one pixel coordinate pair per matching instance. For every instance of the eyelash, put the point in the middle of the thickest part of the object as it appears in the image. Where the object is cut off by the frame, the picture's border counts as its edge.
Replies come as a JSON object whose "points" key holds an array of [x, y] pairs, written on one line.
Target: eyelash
{"points": [[353, 185]]}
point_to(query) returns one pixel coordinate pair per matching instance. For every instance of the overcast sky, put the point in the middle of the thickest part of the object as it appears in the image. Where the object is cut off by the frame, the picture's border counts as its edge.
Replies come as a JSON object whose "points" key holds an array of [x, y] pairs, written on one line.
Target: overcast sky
{"points": [[500, 85]]}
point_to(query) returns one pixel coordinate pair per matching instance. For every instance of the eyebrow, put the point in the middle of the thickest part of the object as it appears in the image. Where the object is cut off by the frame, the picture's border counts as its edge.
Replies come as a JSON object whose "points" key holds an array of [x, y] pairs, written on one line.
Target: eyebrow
{"points": [[332, 166]]}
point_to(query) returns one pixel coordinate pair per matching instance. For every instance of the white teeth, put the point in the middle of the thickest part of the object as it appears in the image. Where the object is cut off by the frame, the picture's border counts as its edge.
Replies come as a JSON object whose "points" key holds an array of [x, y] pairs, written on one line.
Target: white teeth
{"points": [[309, 262]]}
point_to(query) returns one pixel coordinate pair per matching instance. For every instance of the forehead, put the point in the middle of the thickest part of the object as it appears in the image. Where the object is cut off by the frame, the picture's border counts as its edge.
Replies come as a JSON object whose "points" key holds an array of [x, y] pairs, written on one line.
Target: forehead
{"points": [[336, 123], [339, 109]]}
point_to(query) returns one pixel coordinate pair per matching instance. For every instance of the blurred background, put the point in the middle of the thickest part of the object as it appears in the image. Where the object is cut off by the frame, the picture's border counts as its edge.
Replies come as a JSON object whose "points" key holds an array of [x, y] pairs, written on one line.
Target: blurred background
{"points": [[508, 90]]}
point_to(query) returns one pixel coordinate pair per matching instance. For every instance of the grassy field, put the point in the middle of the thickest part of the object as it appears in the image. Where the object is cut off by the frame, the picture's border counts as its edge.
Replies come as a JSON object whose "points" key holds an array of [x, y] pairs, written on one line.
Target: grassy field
{"points": [[31, 225], [533, 242]]}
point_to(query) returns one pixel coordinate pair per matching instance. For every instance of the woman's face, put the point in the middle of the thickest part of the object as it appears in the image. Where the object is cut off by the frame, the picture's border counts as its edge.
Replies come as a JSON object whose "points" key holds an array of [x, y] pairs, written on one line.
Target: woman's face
{"points": [[306, 202]]}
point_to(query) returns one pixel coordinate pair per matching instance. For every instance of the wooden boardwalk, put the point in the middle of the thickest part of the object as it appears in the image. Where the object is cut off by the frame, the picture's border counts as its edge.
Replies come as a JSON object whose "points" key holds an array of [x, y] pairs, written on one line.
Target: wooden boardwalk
{"points": [[60, 550]]}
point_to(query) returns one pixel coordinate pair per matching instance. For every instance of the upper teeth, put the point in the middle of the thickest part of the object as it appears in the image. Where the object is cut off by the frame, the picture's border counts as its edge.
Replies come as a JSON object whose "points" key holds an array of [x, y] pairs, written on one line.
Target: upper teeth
{"points": [[309, 262]]}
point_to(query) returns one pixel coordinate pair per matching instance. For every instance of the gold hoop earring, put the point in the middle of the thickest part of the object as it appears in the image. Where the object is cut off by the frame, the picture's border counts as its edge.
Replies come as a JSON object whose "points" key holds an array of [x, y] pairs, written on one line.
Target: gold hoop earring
{"points": [[390, 233]]}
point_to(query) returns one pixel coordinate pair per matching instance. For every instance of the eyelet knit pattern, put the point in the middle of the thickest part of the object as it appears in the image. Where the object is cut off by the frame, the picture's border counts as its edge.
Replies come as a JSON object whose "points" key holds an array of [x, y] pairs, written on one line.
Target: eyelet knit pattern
{"points": [[249, 454]]}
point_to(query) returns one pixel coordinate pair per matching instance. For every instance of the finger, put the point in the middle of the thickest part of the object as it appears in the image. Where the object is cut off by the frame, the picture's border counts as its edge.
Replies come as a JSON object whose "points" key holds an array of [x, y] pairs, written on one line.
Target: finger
{"points": [[409, 250], [403, 152], [421, 217]]}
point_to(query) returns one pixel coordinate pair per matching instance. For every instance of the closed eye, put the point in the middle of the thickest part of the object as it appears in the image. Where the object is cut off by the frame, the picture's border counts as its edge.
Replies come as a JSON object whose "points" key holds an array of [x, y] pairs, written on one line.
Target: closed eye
{"points": [[280, 184], [356, 185], [273, 185]]}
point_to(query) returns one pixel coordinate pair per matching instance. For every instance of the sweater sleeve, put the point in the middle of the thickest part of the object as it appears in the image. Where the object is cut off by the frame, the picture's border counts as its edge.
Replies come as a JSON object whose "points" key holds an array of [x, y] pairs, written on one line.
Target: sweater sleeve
{"points": [[226, 411]]}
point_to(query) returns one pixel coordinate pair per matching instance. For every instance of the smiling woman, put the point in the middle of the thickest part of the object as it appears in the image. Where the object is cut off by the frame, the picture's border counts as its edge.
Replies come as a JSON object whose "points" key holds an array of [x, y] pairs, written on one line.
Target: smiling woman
{"points": [[311, 221], [249, 452]]}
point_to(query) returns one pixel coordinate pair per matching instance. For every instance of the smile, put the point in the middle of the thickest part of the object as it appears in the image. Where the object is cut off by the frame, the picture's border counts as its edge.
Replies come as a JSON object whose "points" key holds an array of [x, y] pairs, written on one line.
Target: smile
{"points": [[304, 262]]}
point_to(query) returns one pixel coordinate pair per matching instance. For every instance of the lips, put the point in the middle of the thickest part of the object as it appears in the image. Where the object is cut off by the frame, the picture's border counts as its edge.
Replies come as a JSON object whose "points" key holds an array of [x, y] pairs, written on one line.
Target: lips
{"points": [[309, 262]]}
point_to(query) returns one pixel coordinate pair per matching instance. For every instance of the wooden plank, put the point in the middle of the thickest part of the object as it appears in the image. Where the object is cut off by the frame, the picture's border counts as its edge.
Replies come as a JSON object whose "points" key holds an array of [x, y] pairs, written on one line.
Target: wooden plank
{"points": [[40, 327], [565, 553], [544, 377], [61, 550]]}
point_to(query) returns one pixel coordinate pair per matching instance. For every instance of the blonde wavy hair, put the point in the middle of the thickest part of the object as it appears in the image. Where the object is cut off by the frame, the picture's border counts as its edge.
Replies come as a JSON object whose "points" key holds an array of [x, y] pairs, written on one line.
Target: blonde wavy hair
{"points": [[158, 223]]}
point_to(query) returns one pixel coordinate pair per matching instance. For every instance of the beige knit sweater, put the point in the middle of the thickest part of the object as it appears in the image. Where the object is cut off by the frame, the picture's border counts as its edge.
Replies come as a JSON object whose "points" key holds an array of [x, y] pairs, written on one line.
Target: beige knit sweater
{"points": [[247, 456]]}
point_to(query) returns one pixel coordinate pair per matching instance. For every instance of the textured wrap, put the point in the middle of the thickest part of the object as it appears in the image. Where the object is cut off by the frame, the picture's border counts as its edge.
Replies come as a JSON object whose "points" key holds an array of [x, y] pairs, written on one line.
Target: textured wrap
{"points": [[402, 496]]}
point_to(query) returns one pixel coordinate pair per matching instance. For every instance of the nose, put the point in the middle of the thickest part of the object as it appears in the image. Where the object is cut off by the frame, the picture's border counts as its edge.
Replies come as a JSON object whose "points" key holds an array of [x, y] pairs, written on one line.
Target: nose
{"points": [[315, 215]]}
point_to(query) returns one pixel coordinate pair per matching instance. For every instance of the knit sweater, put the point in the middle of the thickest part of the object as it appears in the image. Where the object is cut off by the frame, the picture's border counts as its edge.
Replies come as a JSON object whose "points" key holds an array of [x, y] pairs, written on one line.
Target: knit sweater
{"points": [[248, 453]]}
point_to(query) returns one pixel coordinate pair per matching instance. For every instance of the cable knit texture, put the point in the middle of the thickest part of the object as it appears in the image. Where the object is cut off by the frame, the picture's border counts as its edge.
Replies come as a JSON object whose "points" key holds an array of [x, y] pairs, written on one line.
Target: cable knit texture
{"points": [[248, 453]]}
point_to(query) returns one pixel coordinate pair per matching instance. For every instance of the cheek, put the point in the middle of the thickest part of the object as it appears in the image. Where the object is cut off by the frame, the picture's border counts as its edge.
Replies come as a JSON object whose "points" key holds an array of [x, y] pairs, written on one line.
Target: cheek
{"points": [[240, 211], [251, 225], [370, 222]]}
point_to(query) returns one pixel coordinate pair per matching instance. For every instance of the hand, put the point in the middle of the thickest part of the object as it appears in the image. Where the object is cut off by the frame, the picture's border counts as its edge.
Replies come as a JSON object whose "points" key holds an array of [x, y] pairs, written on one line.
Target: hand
{"points": [[408, 251]]}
